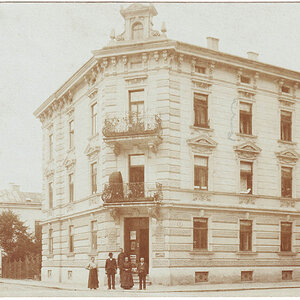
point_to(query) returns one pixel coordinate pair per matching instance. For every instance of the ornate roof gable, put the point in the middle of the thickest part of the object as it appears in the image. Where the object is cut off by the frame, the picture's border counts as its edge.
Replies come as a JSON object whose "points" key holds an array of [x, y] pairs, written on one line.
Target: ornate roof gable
{"points": [[289, 156], [247, 150], [202, 144]]}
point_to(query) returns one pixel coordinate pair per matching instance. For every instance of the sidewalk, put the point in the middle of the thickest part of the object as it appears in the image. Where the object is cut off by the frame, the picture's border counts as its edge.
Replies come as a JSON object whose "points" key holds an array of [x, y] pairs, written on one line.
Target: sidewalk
{"points": [[163, 289]]}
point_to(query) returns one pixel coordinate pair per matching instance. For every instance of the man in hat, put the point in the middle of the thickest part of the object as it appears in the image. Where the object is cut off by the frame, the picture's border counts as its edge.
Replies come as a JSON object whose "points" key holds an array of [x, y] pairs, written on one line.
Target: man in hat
{"points": [[110, 270], [142, 269]]}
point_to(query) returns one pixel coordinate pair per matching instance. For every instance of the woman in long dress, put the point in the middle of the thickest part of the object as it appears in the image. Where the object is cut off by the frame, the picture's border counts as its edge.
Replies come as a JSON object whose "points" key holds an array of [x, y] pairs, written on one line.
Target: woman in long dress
{"points": [[93, 282], [126, 279]]}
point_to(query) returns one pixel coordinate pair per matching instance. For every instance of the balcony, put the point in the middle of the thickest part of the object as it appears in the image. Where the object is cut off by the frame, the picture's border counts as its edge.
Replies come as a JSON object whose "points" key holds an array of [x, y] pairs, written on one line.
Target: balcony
{"points": [[138, 192], [131, 129]]}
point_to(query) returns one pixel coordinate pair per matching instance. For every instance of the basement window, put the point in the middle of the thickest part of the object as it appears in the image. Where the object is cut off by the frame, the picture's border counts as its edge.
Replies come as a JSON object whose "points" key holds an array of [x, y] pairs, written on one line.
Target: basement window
{"points": [[287, 275], [247, 276], [285, 89], [245, 79], [201, 277]]}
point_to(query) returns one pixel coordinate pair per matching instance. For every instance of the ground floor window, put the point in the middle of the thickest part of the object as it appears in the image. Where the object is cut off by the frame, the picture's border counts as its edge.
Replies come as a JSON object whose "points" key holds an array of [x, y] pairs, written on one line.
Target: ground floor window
{"points": [[200, 234]]}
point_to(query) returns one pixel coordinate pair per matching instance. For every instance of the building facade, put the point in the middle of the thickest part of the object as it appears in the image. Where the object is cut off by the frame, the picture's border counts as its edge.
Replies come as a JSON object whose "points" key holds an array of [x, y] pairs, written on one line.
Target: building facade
{"points": [[27, 205], [181, 154]]}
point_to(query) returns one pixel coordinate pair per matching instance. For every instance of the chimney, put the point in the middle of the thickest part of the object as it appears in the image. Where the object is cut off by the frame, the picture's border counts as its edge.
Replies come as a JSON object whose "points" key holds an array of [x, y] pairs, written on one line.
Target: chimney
{"points": [[212, 43], [14, 187], [252, 55]]}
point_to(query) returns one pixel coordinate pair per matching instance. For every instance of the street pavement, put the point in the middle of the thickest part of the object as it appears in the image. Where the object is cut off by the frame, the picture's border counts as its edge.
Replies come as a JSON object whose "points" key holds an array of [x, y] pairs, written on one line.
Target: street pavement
{"points": [[12, 290]]}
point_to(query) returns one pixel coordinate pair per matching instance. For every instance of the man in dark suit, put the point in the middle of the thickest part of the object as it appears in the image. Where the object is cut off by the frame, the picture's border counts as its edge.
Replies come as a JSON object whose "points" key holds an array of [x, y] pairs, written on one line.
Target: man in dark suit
{"points": [[121, 258], [142, 270], [110, 270]]}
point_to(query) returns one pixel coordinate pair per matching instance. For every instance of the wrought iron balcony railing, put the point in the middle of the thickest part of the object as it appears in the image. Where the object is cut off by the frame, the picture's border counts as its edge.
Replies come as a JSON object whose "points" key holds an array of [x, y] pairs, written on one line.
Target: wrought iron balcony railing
{"points": [[132, 192], [131, 124]]}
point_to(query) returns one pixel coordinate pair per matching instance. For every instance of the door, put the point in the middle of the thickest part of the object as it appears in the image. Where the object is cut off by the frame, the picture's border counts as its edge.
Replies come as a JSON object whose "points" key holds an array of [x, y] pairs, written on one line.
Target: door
{"points": [[136, 239]]}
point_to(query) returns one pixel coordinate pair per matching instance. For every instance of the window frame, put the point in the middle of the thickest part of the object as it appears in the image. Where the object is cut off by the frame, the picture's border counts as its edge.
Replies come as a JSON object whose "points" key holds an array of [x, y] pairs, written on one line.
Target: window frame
{"points": [[246, 235], [50, 194], [200, 232], [94, 173], [198, 170], [51, 143], [71, 134], [94, 237], [289, 247], [246, 118], [251, 175], [71, 238], [50, 241], [284, 179], [94, 118], [71, 187], [286, 126], [199, 107], [140, 31]]}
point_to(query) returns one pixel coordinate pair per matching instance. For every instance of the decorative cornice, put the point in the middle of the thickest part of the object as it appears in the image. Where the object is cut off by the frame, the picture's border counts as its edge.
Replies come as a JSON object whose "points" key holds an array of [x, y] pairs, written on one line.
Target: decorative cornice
{"points": [[288, 156], [247, 150], [202, 144]]}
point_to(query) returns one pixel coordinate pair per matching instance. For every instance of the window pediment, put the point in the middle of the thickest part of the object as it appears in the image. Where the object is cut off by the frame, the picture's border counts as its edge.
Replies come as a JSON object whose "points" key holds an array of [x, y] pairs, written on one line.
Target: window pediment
{"points": [[49, 172], [289, 156], [247, 150], [203, 144], [92, 151]]}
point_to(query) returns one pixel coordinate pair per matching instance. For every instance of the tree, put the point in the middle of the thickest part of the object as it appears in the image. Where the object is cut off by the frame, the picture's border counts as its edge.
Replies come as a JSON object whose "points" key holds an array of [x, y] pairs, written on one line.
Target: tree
{"points": [[15, 240]]}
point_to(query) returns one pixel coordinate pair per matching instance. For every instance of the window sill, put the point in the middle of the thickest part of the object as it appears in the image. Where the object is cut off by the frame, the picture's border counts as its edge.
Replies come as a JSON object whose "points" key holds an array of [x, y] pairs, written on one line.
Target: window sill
{"points": [[244, 135], [287, 142], [50, 256], [201, 128], [287, 253], [242, 253], [70, 254], [201, 252]]}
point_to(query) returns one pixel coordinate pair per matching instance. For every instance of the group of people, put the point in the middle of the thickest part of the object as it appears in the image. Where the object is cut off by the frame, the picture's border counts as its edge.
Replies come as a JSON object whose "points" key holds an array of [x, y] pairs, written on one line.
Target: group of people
{"points": [[125, 269]]}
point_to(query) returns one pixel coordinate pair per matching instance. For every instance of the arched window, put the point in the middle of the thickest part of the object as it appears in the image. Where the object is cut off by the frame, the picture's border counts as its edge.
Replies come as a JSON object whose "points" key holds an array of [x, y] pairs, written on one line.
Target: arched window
{"points": [[137, 31]]}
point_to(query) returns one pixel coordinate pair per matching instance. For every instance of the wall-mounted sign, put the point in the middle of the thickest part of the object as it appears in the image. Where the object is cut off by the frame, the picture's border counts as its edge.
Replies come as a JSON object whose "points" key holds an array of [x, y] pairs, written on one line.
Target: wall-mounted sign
{"points": [[132, 235]]}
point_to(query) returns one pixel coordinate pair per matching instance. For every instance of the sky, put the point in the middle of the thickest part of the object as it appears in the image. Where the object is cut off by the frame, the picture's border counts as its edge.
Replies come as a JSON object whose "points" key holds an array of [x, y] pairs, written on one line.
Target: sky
{"points": [[43, 44]]}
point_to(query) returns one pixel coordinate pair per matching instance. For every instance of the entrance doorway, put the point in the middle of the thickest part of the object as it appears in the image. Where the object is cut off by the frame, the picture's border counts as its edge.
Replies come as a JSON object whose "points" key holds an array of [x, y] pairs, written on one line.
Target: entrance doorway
{"points": [[136, 239]]}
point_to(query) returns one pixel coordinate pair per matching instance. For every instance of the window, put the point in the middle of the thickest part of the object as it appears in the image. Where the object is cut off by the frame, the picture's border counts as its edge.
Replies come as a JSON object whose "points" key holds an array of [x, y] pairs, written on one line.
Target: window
{"points": [[286, 182], [286, 236], [200, 110], [50, 241], [69, 275], [71, 187], [51, 146], [201, 173], [49, 273], [201, 277], [136, 176], [245, 235], [137, 31], [246, 275], [37, 230], [50, 194], [136, 103], [246, 177], [71, 134], [245, 79], [199, 69], [245, 118], [94, 177], [94, 235], [287, 275], [285, 89], [200, 234], [286, 126], [71, 238], [94, 119]]}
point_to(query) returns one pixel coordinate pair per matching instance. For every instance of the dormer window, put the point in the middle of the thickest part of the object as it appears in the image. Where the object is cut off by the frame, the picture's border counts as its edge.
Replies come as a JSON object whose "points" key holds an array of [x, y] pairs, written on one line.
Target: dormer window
{"points": [[137, 31], [285, 89], [245, 79]]}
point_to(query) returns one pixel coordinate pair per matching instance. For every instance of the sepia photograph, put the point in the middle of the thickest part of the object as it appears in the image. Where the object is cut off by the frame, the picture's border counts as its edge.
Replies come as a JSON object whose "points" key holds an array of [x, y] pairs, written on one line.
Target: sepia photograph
{"points": [[149, 149]]}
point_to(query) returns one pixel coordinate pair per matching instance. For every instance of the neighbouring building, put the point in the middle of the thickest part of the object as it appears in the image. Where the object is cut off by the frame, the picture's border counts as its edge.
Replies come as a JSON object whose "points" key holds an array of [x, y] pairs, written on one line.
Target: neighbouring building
{"points": [[27, 205], [182, 154]]}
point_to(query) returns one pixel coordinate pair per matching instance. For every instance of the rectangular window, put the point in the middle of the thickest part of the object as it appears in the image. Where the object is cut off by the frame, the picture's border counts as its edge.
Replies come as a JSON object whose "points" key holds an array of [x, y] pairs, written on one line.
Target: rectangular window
{"points": [[286, 236], [50, 194], [94, 235], [245, 235], [94, 119], [201, 173], [286, 126], [71, 238], [51, 146], [245, 79], [71, 134], [136, 176], [200, 70], [287, 275], [286, 182], [71, 187], [246, 177], [201, 110], [200, 234], [50, 241], [94, 177], [247, 276], [201, 277], [136, 104], [245, 118]]}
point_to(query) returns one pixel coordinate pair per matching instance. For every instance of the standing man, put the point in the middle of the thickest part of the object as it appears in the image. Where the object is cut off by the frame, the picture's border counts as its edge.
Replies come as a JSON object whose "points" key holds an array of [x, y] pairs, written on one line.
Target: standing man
{"points": [[121, 258], [142, 269], [110, 270]]}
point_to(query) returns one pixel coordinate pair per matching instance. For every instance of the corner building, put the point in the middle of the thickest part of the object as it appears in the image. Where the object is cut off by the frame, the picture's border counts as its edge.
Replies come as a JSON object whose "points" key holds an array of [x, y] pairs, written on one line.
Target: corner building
{"points": [[182, 154]]}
